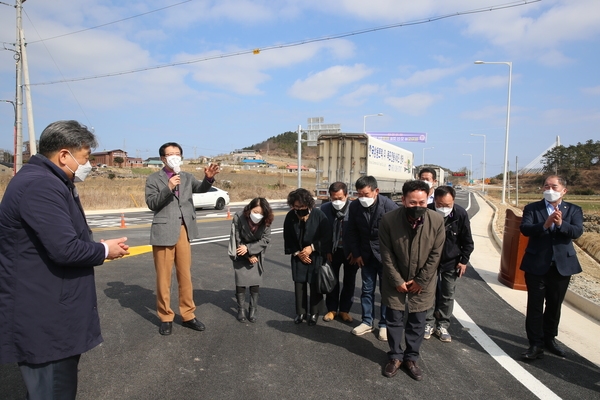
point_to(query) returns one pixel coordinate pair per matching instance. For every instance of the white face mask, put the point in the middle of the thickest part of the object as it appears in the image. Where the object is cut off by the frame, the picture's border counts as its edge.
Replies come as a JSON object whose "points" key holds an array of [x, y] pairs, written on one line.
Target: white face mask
{"points": [[551, 196], [174, 162], [366, 201], [82, 170], [430, 184], [445, 211], [338, 204], [256, 218]]}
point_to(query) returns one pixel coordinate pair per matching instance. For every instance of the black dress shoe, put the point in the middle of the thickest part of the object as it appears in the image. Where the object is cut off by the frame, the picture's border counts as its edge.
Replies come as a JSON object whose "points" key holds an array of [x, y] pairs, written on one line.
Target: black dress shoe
{"points": [[554, 348], [312, 320], [533, 352], [413, 370], [194, 324], [165, 328], [392, 367], [299, 318]]}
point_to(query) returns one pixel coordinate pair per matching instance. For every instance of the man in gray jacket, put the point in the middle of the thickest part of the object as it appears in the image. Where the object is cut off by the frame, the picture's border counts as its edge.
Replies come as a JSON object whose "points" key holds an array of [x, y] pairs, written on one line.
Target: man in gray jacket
{"points": [[169, 195], [411, 240]]}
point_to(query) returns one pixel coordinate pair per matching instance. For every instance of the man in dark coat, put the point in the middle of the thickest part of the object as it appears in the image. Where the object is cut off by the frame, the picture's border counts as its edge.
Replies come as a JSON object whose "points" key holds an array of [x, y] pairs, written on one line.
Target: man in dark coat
{"points": [[412, 239], [336, 212], [48, 310], [453, 263], [361, 242], [549, 261]]}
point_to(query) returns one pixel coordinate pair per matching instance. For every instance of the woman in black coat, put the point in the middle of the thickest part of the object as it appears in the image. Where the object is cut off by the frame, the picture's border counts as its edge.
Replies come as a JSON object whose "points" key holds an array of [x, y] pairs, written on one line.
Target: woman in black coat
{"points": [[307, 237], [248, 242]]}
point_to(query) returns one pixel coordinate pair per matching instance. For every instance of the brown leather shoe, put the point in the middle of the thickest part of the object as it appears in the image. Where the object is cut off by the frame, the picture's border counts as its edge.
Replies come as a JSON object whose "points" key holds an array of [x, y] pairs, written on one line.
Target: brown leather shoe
{"points": [[413, 370], [392, 367], [345, 317], [330, 316]]}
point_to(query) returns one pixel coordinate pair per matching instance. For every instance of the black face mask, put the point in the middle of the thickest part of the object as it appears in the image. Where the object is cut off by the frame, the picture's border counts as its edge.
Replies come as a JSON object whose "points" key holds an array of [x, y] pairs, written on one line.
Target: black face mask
{"points": [[416, 212], [302, 213]]}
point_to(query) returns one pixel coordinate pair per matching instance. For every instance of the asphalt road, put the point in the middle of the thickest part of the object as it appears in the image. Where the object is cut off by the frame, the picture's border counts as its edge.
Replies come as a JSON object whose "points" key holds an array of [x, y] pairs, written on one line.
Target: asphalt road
{"points": [[275, 359]]}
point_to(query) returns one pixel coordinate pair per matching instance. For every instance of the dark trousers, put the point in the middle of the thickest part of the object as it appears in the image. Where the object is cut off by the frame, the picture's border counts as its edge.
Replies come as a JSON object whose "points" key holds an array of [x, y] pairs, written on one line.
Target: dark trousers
{"points": [[334, 300], [56, 380], [542, 324], [413, 334], [438, 316], [301, 292]]}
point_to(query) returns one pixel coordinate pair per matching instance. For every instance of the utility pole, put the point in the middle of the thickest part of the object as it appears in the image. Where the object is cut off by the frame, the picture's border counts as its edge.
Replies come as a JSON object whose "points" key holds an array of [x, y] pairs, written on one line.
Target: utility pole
{"points": [[29, 105], [19, 92]]}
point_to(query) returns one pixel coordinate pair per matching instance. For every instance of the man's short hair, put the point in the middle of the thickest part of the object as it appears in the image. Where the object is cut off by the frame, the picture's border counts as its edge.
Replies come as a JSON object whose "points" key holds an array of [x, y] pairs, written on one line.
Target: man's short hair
{"points": [[430, 170], [442, 191], [70, 135], [365, 181], [561, 180], [161, 150], [413, 186], [337, 186]]}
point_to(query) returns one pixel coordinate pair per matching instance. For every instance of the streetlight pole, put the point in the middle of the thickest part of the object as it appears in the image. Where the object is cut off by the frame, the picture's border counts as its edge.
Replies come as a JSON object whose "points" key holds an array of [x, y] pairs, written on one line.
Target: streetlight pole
{"points": [[365, 120], [483, 177], [471, 169], [425, 148], [507, 123]]}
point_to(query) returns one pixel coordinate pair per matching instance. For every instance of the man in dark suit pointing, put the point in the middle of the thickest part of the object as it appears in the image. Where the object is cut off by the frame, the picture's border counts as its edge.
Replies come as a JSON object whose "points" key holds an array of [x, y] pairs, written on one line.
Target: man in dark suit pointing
{"points": [[549, 261]]}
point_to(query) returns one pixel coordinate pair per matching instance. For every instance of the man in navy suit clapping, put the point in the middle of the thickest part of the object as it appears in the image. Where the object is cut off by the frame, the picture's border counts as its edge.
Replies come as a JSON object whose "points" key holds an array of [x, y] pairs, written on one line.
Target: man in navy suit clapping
{"points": [[549, 261]]}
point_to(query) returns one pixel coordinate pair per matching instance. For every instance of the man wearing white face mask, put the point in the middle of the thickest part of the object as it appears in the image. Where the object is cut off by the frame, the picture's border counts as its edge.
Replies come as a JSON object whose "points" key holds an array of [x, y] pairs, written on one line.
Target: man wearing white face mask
{"points": [[429, 176], [48, 307], [458, 247], [361, 243], [549, 261], [337, 213], [169, 195]]}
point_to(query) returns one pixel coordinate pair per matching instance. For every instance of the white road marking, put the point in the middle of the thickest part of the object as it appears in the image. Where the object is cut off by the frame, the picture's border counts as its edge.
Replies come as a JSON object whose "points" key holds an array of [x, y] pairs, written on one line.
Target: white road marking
{"points": [[223, 238], [529, 381]]}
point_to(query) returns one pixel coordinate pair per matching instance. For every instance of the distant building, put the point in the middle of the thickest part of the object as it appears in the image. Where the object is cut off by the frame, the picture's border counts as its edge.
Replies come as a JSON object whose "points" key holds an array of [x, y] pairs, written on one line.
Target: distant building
{"points": [[108, 158], [153, 162], [294, 168], [239, 155]]}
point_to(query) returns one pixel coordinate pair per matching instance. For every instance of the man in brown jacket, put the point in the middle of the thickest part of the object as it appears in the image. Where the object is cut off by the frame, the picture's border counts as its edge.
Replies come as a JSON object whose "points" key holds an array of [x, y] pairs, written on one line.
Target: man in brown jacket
{"points": [[411, 242]]}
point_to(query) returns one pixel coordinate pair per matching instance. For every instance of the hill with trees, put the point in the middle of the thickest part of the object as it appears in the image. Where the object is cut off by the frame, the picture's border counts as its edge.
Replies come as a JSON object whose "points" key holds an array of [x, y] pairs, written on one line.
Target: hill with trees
{"points": [[286, 145]]}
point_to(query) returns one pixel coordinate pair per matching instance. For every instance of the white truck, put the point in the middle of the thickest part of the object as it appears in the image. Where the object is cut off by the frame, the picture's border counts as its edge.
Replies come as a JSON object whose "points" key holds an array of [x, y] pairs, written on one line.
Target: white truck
{"points": [[345, 157]]}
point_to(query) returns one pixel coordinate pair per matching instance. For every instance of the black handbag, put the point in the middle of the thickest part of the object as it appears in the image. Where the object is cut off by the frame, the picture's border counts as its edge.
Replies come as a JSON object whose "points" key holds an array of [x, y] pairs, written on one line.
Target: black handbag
{"points": [[326, 279]]}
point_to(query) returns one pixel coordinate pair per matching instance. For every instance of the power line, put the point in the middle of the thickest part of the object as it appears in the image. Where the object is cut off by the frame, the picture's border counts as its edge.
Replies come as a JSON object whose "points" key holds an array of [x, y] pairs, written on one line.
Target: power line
{"points": [[294, 44], [110, 23]]}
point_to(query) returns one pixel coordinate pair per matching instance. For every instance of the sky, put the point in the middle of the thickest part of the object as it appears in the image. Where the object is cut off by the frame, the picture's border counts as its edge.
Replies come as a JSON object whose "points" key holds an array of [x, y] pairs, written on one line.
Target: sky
{"points": [[96, 61]]}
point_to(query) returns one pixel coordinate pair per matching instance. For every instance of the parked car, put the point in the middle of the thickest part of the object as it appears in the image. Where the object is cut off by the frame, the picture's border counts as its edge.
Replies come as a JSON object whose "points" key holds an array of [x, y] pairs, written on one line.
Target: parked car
{"points": [[215, 197]]}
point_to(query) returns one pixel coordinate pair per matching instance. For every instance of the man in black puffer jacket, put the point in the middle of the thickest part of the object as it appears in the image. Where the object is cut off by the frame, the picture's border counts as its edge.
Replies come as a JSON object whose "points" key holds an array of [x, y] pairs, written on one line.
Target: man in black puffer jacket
{"points": [[453, 264]]}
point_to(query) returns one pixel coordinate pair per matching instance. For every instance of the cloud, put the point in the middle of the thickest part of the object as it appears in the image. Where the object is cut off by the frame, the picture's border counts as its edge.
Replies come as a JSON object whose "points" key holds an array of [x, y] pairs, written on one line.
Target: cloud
{"points": [[539, 30], [427, 76], [360, 95], [413, 104], [593, 91], [244, 74], [327, 83], [468, 85], [484, 113]]}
